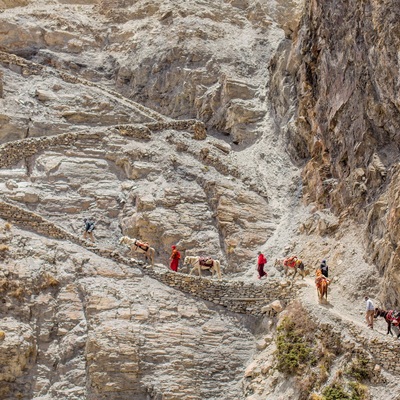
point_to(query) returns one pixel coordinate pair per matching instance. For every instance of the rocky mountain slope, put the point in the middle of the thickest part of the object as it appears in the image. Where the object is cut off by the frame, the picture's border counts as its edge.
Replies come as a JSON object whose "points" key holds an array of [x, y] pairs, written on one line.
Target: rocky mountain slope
{"points": [[224, 128]]}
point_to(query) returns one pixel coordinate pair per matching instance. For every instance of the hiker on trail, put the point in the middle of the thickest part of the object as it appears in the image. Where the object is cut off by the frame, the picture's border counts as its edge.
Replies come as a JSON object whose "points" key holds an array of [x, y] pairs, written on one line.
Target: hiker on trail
{"points": [[324, 268], [261, 261], [89, 226], [370, 310], [175, 257]]}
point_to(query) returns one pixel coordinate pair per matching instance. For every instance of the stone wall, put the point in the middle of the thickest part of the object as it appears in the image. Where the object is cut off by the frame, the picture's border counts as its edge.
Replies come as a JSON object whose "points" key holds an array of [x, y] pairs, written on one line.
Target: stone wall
{"points": [[142, 131], [236, 296], [351, 338], [13, 152]]}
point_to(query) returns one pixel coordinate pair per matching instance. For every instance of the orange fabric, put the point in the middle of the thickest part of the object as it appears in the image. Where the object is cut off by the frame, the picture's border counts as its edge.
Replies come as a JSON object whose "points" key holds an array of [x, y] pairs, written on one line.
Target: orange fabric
{"points": [[175, 255]]}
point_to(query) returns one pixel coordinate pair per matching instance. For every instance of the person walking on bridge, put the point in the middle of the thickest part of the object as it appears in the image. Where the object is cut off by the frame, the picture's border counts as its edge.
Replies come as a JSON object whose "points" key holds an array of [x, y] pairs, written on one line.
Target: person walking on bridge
{"points": [[261, 261], [370, 310], [175, 257]]}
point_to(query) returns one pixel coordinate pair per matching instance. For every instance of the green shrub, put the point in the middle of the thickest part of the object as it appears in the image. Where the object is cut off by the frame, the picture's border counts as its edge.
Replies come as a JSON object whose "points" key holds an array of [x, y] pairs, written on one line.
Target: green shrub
{"points": [[295, 342], [360, 369], [335, 392], [358, 391]]}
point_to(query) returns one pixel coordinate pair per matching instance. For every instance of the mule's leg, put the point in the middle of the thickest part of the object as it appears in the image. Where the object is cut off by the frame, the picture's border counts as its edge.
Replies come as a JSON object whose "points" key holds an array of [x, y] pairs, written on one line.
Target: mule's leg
{"points": [[389, 329]]}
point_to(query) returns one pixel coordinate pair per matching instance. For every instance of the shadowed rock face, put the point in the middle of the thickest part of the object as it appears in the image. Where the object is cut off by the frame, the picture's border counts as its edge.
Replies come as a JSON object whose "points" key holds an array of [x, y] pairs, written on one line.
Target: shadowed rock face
{"points": [[342, 69]]}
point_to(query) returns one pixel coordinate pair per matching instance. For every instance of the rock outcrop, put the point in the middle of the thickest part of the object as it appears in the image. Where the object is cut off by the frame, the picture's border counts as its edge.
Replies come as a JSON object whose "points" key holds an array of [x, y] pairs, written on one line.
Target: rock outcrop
{"points": [[340, 72], [154, 120]]}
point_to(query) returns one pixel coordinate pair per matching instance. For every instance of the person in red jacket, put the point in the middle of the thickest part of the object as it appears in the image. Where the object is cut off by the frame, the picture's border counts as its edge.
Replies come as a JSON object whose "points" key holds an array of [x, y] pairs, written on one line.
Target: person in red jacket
{"points": [[260, 265], [175, 256]]}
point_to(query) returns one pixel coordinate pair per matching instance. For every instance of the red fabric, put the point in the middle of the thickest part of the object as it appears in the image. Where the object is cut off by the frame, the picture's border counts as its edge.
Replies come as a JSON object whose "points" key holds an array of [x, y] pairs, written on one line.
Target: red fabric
{"points": [[174, 264], [261, 271], [261, 259], [260, 268], [175, 256], [290, 262]]}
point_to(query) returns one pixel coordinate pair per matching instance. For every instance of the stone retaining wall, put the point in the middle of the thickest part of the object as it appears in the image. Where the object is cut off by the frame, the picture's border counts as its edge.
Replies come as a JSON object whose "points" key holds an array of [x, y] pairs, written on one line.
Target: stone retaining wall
{"points": [[31, 68], [142, 131], [383, 351], [13, 152], [238, 297]]}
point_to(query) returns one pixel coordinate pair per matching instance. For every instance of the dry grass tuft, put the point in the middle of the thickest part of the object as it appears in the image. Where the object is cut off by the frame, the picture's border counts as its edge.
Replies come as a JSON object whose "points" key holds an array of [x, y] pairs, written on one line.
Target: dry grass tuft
{"points": [[48, 281], [4, 247]]}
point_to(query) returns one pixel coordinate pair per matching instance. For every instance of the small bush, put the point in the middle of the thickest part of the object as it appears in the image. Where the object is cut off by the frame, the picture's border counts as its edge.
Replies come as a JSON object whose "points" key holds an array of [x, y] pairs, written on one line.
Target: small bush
{"points": [[335, 392], [294, 342], [306, 382], [7, 226], [358, 391], [352, 391], [360, 369]]}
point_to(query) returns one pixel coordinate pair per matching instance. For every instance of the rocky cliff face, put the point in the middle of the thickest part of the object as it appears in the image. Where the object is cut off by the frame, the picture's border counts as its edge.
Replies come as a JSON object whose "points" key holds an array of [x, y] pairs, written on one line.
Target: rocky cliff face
{"points": [[342, 69], [154, 119], [78, 141]]}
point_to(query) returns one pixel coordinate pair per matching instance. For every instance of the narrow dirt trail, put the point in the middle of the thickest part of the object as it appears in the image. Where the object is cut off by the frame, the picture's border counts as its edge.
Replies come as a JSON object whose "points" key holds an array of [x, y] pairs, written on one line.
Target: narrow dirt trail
{"points": [[341, 312]]}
